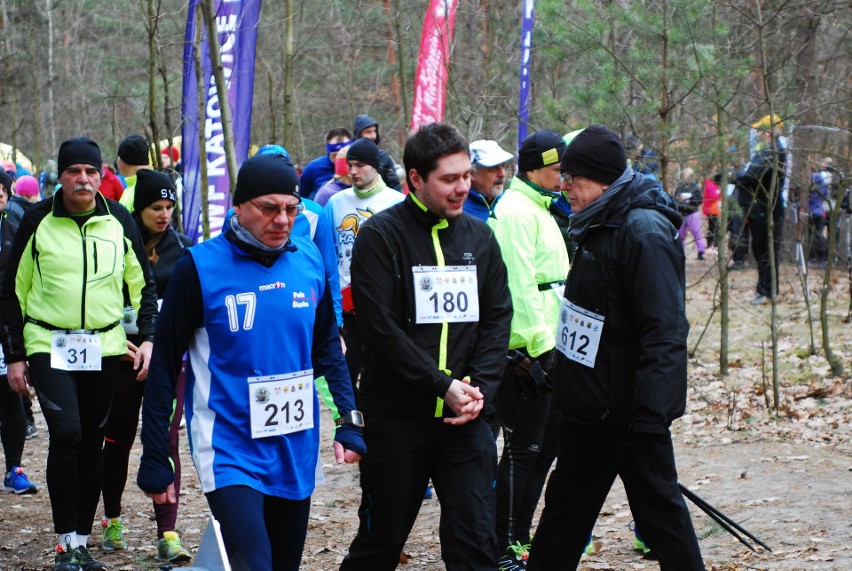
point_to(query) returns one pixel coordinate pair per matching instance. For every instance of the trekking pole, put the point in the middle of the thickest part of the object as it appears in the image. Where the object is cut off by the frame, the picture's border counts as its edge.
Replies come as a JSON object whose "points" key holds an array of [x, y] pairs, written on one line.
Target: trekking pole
{"points": [[729, 525]]}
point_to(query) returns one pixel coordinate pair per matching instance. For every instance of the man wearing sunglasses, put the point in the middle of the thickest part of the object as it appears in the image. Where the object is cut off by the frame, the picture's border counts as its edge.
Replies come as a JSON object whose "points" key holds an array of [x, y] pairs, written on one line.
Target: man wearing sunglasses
{"points": [[255, 311]]}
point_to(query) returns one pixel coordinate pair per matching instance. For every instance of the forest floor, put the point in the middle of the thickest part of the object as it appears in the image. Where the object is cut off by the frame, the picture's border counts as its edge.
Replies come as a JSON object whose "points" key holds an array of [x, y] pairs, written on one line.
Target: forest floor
{"points": [[785, 477]]}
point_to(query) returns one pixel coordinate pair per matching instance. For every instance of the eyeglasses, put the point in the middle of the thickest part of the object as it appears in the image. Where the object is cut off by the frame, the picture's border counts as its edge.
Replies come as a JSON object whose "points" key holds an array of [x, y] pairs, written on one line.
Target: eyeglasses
{"points": [[566, 178], [273, 210]]}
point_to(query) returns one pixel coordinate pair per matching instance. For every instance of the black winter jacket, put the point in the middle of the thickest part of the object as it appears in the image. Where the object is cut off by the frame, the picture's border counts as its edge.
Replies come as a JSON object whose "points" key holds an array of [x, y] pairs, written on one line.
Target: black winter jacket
{"points": [[629, 268], [402, 376]]}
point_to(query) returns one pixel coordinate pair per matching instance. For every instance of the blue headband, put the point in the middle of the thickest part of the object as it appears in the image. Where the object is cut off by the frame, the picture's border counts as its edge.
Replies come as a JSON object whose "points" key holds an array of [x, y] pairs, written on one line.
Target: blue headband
{"points": [[334, 147]]}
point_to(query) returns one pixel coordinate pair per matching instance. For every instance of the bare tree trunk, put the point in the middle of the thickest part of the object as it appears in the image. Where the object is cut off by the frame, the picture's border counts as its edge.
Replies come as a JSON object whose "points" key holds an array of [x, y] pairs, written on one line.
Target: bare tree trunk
{"points": [[664, 110], [774, 196], [289, 64], [722, 244], [394, 77], [271, 101], [835, 363], [202, 120], [221, 90], [401, 58], [151, 27], [51, 122]]}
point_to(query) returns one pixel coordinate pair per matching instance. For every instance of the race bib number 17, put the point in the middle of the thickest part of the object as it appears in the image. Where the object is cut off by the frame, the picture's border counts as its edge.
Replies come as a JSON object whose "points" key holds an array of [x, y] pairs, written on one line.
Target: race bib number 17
{"points": [[579, 333]]}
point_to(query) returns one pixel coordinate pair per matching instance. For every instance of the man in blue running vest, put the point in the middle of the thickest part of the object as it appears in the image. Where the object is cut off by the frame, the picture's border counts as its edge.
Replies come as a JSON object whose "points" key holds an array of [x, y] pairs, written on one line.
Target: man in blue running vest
{"points": [[254, 309]]}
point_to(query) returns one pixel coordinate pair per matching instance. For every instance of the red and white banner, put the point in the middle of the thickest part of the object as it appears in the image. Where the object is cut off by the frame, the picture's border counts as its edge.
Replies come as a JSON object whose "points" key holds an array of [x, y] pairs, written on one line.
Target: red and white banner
{"points": [[430, 83]]}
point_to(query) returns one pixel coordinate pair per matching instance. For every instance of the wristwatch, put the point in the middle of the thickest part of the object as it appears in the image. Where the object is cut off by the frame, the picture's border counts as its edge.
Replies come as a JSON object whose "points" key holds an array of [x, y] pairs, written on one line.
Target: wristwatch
{"points": [[352, 418]]}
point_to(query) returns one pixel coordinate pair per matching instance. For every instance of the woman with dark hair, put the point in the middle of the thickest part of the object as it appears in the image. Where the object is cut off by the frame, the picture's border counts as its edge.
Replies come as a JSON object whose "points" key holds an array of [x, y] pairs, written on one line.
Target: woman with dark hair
{"points": [[13, 421], [152, 209]]}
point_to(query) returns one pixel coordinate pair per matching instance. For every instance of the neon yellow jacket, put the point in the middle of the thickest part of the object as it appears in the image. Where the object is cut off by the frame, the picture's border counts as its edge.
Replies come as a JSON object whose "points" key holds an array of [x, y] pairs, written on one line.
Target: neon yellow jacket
{"points": [[129, 193], [67, 276], [537, 262]]}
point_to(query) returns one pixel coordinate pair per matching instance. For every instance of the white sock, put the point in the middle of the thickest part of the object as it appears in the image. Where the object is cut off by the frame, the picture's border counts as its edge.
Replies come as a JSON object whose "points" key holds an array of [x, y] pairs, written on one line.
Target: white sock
{"points": [[67, 539], [82, 540]]}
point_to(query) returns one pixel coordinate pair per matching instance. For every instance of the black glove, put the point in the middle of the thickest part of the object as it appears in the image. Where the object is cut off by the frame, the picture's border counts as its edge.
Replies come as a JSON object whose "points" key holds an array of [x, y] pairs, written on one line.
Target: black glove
{"points": [[533, 375]]}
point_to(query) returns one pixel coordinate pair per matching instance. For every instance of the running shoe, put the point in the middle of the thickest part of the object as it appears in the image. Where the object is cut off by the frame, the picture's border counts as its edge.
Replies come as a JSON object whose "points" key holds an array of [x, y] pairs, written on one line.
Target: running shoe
{"points": [[87, 562], [32, 431], [170, 548], [113, 537], [66, 559], [639, 543], [515, 558], [17, 482]]}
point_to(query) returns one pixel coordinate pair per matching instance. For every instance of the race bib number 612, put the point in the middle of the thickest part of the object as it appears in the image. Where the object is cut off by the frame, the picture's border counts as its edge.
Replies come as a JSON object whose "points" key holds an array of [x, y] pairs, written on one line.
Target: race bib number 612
{"points": [[579, 333]]}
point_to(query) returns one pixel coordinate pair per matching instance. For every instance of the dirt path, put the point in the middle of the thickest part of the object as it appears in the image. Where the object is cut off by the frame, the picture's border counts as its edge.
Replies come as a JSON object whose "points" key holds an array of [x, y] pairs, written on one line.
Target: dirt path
{"points": [[787, 479]]}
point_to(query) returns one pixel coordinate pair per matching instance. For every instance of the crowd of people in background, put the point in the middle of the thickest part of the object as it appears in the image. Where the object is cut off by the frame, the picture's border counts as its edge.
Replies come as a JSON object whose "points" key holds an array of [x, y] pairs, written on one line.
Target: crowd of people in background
{"points": [[433, 305]]}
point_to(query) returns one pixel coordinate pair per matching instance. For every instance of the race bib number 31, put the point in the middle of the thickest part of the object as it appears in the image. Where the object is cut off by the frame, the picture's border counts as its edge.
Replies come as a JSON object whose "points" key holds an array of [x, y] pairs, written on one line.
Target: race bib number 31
{"points": [[72, 351], [445, 294], [281, 404], [579, 333]]}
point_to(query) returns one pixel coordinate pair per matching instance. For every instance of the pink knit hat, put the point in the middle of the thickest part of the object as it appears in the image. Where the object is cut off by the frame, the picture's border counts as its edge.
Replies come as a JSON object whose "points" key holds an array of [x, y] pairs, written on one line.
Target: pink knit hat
{"points": [[26, 186]]}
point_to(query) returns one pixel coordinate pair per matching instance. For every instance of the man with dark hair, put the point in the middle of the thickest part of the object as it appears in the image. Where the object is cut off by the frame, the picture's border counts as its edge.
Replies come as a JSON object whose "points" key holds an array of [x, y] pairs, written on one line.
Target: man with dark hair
{"points": [[321, 170], [537, 263], [346, 213], [368, 128], [620, 375], [433, 304], [132, 156], [74, 260], [253, 308]]}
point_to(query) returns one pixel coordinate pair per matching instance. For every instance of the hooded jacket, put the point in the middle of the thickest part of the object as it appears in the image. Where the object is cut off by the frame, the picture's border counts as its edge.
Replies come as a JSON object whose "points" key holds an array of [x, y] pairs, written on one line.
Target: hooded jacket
{"points": [[628, 268], [387, 167]]}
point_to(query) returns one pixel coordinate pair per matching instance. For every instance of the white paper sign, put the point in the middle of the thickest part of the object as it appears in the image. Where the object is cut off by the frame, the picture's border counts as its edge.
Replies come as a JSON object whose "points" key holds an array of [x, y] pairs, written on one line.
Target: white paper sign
{"points": [[445, 294]]}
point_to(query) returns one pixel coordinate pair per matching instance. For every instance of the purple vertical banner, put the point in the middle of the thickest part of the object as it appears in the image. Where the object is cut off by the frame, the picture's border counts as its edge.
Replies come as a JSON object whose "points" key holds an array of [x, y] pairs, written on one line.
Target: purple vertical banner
{"points": [[236, 27], [526, 48]]}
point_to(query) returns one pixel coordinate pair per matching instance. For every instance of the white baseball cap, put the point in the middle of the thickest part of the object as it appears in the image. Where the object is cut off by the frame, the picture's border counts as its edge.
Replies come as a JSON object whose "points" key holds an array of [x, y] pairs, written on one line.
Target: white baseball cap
{"points": [[488, 153]]}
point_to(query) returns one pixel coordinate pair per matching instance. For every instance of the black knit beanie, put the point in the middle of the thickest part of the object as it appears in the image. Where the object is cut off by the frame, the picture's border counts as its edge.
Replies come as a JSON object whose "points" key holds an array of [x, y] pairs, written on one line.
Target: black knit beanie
{"points": [[364, 151], [6, 182], [597, 154], [266, 174], [152, 186], [539, 150], [134, 150], [78, 151]]}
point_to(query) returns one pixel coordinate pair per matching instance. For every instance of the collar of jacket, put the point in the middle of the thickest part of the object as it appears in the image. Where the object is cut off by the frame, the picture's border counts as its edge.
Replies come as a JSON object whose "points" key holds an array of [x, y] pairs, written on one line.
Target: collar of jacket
{"points": [[373, 190], [534, 192], [101, 206], [422, 214]]}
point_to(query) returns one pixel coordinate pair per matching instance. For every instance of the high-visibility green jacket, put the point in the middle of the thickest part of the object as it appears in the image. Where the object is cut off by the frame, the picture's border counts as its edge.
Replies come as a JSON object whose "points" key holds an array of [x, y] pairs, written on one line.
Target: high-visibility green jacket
{"points": [[536, 261], [129, 194], [67, 275]]}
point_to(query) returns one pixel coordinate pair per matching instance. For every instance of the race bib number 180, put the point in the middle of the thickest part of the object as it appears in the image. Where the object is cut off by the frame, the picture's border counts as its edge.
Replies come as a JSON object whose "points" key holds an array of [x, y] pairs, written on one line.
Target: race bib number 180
{"points": [[579, 333], [281, 404], [445, 294]]}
